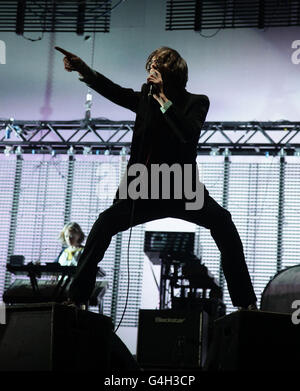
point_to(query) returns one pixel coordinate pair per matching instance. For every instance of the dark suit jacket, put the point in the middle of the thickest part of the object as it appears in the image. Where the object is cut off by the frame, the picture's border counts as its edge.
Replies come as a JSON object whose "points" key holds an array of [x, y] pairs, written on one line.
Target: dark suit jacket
{"points": [[169, 138]]}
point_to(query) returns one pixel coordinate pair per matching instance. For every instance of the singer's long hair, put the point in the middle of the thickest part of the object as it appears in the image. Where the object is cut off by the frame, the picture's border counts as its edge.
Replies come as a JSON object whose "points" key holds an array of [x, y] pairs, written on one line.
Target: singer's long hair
{"points": [[176, 66]]}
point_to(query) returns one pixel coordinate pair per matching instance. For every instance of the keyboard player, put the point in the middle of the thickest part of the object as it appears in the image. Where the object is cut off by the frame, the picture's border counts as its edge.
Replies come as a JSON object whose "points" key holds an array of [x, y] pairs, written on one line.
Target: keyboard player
{"points": [[71, 237]]}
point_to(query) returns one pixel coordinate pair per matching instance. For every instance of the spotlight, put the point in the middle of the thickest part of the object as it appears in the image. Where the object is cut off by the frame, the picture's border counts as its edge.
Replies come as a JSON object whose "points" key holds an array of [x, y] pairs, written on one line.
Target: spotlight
{"points": [[297, 152], [106, 152], [17, 129], [123, 151], [88, 105], [7, 132], [8, 150], [226, 152], [214, 152], [87, 150], [19, 150], [282, 152], [71, 151]]}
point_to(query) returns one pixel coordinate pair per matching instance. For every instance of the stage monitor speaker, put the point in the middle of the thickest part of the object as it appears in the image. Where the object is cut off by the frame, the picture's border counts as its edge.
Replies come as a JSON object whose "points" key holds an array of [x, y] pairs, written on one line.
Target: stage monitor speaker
{"points": [[54, 337], [172, 339], [254, 340]]}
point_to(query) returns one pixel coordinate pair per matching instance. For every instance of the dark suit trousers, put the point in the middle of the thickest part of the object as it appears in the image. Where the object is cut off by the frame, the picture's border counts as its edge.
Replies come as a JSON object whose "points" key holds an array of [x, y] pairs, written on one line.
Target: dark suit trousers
{"points": [[211, 216]]}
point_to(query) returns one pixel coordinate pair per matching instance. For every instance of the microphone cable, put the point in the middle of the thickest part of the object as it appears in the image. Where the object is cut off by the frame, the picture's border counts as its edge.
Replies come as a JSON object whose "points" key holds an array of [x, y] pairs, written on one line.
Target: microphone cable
{"points": [[128, 271], [133, 207]]}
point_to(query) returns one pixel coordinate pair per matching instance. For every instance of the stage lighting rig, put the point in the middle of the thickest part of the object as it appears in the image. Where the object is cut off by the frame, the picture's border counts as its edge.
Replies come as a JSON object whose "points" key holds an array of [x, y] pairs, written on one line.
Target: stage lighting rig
{"points": [[201, 15], [80, 16]]}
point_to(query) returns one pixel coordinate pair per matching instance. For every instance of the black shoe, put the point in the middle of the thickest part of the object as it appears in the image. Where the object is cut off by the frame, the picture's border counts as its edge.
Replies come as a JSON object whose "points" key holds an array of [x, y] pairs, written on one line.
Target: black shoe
{"points": [[80, 306]]}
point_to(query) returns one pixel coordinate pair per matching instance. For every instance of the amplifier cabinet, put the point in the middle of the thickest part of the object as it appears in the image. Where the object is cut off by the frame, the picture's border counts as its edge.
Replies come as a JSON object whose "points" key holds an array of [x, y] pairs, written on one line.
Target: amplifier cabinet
{"points": [[172, 338], [254, 340], [54, 337]]}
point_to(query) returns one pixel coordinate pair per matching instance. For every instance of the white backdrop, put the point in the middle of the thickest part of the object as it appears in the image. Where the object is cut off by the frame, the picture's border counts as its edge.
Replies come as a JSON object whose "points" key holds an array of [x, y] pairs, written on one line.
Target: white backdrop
{"points": [[248, 74]]}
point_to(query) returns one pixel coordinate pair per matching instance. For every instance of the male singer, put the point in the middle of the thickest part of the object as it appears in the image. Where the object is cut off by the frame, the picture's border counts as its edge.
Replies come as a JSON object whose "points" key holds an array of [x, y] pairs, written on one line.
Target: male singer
{"points": [[167, 129]]}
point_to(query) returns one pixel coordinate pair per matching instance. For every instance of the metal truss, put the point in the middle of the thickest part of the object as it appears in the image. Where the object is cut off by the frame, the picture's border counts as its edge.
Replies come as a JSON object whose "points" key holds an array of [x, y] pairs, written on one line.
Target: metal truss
{"points": [[99, 136]]}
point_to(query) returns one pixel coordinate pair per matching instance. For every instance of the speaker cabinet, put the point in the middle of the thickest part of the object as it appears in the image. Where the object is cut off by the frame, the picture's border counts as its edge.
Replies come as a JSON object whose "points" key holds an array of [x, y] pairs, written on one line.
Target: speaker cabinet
{"points": [[172, 339], [54, 337], [254, 340]]}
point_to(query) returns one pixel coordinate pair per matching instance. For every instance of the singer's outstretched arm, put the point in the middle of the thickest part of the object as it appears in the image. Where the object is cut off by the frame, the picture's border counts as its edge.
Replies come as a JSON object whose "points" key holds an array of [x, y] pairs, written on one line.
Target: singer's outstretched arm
{"points": [[122, 96], [125, 97], [185, 125]]}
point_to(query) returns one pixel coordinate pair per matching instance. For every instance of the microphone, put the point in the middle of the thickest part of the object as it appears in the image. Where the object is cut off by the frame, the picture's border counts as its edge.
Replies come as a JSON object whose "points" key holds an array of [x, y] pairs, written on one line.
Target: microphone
{"points": [[152, 88]]}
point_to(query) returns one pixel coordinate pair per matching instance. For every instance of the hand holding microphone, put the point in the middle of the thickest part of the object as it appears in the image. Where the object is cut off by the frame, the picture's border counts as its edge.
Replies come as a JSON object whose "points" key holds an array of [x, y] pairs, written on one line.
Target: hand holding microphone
{"points": [[156, 84]]}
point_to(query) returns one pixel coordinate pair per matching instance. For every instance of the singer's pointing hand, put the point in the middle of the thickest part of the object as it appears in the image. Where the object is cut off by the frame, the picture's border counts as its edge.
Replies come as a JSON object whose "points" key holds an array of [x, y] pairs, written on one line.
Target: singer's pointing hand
{"points": [[73, 62]]}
